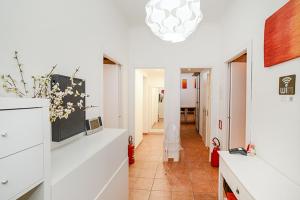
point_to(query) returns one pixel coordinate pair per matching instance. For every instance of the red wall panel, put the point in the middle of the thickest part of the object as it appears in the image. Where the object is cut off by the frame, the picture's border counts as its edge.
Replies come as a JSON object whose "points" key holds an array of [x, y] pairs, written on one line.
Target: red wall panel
{"points": [[282, 34]]}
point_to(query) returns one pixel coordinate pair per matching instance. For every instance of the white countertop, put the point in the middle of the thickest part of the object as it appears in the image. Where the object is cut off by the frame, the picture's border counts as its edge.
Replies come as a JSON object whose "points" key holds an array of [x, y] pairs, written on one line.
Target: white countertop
{"points": [[66, 158], [261, 180]]}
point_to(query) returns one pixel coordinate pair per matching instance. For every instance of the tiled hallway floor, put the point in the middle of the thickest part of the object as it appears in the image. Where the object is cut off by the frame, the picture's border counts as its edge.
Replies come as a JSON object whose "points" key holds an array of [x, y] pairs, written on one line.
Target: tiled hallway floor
{"points": [[190, 179]]}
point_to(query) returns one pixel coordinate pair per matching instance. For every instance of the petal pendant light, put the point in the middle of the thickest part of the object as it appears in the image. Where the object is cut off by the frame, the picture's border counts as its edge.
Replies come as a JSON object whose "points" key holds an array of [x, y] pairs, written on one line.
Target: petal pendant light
{"points": [[173, 20]]}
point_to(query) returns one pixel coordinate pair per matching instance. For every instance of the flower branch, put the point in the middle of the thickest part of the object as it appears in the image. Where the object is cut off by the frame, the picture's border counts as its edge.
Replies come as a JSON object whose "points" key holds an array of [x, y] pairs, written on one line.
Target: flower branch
{"points": [[43, 88], [16, 57]]}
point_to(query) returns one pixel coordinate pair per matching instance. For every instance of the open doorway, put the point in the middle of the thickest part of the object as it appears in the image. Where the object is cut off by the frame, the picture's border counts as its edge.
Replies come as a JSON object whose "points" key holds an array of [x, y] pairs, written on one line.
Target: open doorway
{"points": [[149, 102], [237, 98], [111, 93], [195, 104]]}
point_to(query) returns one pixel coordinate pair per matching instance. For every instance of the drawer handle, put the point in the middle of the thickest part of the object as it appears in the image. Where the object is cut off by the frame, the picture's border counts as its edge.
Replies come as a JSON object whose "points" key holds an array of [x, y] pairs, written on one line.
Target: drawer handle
{"points": [[4, 182], [4, 134], [237, 191]]}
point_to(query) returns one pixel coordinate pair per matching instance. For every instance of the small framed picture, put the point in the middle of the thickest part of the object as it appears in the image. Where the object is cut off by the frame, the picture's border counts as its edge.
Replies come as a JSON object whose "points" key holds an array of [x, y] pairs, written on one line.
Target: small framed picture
{"points": [[93, 125], [184, 84]]}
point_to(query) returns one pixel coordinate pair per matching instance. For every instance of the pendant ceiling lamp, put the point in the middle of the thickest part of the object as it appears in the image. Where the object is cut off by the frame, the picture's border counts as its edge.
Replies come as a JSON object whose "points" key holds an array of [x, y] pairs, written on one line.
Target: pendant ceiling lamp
{"points": [[173, 20]]}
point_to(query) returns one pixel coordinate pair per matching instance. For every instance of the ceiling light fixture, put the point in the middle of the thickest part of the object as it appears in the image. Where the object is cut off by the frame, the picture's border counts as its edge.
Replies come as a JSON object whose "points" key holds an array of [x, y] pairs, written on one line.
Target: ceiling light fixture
{"points": [[173, 20]]}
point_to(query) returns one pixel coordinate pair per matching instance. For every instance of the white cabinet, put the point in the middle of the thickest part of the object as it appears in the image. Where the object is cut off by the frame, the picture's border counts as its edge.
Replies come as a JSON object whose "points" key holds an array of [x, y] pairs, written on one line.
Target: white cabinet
{"points": [[88, 168], [251, 178], [237, 188], [20, 171], [20, 129], [93, 167], [24, 148]]}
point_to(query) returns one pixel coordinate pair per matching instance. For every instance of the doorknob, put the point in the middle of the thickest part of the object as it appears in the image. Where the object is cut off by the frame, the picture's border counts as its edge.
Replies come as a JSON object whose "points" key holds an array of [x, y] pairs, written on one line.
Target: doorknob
{"points": [[4, 182]]}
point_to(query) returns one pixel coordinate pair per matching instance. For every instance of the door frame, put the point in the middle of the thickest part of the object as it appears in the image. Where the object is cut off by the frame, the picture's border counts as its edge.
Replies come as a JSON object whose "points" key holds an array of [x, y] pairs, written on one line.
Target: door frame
{"points": [[208, 111], [247, 48]]}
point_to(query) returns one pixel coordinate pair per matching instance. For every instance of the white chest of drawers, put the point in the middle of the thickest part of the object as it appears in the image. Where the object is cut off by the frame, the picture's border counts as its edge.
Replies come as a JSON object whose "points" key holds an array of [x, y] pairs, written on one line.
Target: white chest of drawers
{"points": [[24, 148], [251, 178]]}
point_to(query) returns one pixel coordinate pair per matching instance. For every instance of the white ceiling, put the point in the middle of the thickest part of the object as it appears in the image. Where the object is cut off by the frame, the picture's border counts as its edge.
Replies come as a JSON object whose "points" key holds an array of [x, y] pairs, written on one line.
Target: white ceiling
{"points": [[134, 10]]}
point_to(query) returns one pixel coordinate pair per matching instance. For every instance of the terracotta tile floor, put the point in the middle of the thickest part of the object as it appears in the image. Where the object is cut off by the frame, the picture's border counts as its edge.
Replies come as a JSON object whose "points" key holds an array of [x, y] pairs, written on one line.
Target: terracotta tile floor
{"points": [[190, 179]]}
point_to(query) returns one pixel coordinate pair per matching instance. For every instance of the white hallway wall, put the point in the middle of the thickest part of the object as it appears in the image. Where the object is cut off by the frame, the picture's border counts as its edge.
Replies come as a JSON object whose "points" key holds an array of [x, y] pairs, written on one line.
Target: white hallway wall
{"points": [[156, 80], [203, 99], [275, 127], [69, 33], [146, 102], [188, 95], [153, 107], [138, 99], [201, 49]]}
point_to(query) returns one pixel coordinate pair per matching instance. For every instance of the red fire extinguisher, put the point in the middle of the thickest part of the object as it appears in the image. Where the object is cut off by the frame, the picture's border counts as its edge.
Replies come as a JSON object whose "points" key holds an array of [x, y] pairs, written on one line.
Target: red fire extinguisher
{"points": [[214, 153], [130, 150]]}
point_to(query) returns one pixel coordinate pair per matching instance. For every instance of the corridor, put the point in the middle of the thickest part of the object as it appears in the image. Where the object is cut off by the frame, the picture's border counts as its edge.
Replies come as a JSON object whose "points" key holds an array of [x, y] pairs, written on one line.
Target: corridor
{"points": [[190, 179]]}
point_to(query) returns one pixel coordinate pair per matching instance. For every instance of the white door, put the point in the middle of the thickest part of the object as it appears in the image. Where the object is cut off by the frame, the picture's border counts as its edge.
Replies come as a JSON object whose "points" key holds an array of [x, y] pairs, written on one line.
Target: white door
{"points": [[197, 103], [160, 104], [111, 96], [205, 107], [203, 99], [138, 107], [208, 109], [238, 105], [154, 106], [204, 125]]}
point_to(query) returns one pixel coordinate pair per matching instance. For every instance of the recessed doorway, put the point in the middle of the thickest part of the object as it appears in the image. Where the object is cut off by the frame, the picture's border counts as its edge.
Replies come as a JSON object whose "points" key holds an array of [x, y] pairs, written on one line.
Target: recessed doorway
{"points": [[112, 93], [149, 102], [195, 101], [237, 98]]}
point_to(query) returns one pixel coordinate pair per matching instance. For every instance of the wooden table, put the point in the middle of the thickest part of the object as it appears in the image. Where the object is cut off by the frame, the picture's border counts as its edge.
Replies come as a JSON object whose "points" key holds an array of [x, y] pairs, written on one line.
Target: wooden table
{"points": [[186, 110]]}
